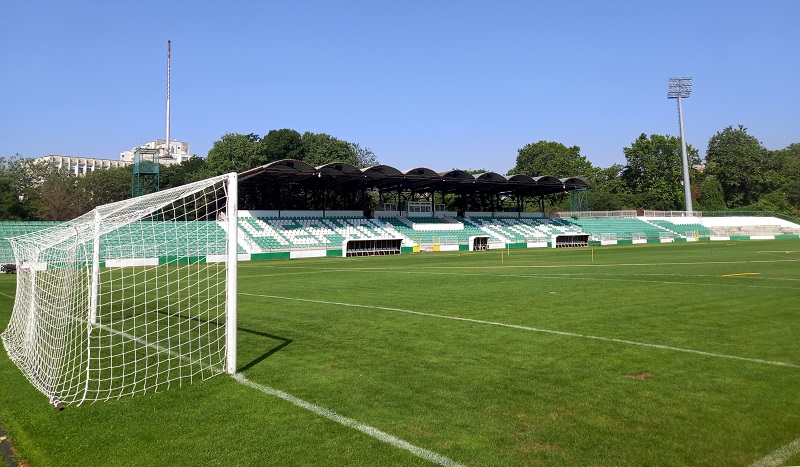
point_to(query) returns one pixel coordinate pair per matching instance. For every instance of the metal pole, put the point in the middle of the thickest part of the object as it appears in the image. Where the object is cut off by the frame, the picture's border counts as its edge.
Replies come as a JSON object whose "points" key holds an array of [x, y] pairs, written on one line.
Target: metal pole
{"points": [[166, 148], [687, 189], [95, 270], [231, 275]]}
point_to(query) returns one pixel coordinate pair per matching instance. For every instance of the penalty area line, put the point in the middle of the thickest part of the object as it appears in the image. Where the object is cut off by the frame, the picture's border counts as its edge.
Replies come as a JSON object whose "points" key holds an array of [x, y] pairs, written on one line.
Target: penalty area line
{"points": [[423, 453], [532, 329], [779, 456]]}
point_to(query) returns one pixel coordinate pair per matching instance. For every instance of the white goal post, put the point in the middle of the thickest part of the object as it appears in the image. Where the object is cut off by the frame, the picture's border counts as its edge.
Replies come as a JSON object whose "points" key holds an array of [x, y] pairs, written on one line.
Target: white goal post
{"points": [[133, 297]]}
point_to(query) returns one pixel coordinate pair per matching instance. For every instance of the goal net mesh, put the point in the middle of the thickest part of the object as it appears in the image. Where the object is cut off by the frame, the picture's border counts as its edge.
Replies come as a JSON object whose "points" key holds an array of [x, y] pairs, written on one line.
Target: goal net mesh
{"points": [[127, 299]]}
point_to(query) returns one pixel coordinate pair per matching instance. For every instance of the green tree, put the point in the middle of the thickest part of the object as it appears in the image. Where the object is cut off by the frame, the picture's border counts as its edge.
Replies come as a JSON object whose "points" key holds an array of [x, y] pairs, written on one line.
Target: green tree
{"points": [[364, 156], [654, 171], [712, 197], [28, 176], [551, 158], [607, 189], [235, 152], [739, 161], [191, 170], [282, 144], [10, 205], [104, 186], [788, 162], [59, 197], [322, 148]]}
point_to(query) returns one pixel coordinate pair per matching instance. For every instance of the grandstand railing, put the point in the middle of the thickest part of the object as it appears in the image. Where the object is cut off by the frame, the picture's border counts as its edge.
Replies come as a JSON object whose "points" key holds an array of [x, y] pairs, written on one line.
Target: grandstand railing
{"points": [[577, 214], [672, 214]]}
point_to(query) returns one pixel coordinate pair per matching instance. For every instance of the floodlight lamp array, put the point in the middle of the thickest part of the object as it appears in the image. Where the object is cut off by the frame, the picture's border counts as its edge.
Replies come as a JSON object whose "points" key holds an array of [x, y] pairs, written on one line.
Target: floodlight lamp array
{"points": [[679, 87]]}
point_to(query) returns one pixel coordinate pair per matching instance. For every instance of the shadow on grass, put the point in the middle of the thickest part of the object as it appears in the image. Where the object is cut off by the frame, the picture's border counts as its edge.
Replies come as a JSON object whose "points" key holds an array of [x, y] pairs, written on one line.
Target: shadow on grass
{"points": [[284, 340]]}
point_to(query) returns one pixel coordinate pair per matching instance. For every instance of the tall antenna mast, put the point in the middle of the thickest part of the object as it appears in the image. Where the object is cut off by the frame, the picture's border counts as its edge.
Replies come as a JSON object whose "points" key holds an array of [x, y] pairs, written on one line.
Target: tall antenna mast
{"points": [[166, 146]]}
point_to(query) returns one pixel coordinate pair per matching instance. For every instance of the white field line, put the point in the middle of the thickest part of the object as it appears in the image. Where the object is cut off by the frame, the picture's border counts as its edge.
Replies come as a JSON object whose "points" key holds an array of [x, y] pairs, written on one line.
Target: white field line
{"points": [[349, 422], [7, 295], [556, 275], [248, 276], [532, 329], [779, 456], [423, 453], [530, 266], [737, 283]]}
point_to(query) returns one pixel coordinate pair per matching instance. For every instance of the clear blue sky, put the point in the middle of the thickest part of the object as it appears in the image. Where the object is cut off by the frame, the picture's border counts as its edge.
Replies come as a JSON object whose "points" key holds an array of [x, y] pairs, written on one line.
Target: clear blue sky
{"points": [[442, 84]]}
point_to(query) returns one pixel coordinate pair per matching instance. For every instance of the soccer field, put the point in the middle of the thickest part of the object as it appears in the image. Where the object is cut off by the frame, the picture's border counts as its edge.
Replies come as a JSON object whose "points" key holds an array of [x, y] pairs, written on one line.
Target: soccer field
{"points": [[657, 354]]}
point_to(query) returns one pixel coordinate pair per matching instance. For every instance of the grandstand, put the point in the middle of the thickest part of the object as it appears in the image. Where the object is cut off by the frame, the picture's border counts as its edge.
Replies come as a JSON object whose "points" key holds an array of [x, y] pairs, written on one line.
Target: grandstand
{"points": [[522, 229], [277, 233], [170, 238], [619, 229], [313, 233], [435, 231], [687, 230], [419, 224]]}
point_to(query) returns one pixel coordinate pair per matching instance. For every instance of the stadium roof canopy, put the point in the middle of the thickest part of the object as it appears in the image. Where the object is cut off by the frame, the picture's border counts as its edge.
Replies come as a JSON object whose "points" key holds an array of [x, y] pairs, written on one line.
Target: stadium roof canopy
{"points": [[420, 179]]}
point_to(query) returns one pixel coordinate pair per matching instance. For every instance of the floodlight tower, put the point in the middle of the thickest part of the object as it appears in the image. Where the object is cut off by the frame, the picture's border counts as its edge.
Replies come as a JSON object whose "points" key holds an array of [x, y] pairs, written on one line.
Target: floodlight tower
{"points": [[680, 88]]}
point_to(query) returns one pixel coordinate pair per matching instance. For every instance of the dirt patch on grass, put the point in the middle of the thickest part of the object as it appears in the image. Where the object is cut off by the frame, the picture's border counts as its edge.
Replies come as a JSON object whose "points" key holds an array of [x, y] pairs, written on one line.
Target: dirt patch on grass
{"points": [[8, 452], [643, 375]]}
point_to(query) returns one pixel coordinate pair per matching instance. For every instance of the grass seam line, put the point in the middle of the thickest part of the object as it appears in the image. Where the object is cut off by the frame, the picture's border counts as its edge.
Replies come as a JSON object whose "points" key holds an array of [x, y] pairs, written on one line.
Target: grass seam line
{"points": [[423, 453], [778, 456], [532, 329]]}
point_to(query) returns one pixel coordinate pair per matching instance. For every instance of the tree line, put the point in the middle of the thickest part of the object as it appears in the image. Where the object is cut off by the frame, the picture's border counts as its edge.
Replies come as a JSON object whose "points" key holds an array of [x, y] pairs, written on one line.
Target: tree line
{"points": [[738, 172], [32, 190]]}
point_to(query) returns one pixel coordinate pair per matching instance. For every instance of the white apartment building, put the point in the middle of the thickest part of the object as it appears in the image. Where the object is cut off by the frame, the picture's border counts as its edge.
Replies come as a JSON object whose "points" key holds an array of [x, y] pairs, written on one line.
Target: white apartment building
{"points": [[178, 152], [81, 165]]}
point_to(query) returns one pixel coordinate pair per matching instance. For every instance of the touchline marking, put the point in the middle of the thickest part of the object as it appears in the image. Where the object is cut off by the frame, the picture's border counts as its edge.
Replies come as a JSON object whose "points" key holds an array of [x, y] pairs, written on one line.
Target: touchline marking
{"points": [[250, 276], [779, 456], [426, 454], [532, 329], [596, 278]]}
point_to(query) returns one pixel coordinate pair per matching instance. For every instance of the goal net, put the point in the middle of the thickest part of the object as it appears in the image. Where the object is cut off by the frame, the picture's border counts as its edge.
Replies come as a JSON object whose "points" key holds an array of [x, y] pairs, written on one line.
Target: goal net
{"points": [[133, 297]]}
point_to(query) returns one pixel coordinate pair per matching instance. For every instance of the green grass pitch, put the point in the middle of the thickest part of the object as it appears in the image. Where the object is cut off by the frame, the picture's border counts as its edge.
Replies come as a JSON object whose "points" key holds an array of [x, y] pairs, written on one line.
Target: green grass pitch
{"points": [[673, 354]]}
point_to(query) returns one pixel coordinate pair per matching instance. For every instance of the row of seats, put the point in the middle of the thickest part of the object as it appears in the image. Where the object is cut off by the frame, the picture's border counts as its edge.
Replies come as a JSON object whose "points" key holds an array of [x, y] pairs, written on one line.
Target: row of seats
{"points": [[286, 233], [619, 228], [145, 239], [683, 229], [522, 229], [192, 238], [208, 237], [16, 228], [434, 236]]}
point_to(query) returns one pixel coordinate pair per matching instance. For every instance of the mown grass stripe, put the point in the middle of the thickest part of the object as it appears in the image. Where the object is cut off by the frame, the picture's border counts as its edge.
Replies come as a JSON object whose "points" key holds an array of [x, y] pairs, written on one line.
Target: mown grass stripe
{"points": [[532, 329]]}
